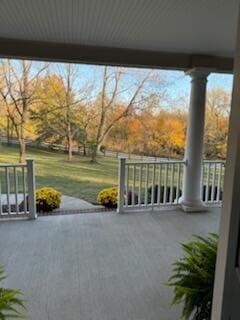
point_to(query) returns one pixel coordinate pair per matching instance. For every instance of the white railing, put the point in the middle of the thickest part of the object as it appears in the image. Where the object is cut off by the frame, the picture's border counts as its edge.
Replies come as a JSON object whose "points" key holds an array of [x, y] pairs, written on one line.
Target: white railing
{"points": [[212, 181], [17, 190], [156, 184], [149, 184]]}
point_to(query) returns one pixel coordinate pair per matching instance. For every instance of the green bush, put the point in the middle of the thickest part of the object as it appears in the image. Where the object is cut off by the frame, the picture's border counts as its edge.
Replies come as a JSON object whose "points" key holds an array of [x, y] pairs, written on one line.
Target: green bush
{"points": [[48, 199], [11, 301], [193, 277], [108, 197]]}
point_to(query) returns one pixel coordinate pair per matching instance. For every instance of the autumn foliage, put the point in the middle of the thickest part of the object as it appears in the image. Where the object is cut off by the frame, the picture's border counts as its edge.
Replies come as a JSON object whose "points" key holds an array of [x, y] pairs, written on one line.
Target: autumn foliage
{"points": [[123, 110]]}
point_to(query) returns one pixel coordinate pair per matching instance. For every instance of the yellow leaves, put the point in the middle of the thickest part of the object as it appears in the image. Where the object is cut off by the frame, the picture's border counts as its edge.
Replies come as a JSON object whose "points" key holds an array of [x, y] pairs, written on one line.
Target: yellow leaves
{"points": [[175, 132], [108, 197], [50, 196]]}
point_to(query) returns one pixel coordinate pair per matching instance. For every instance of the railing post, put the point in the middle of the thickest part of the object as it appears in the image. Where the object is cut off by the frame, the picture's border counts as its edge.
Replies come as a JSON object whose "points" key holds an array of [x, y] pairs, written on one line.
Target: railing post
{"points": [[31, 189], [121, 185]]}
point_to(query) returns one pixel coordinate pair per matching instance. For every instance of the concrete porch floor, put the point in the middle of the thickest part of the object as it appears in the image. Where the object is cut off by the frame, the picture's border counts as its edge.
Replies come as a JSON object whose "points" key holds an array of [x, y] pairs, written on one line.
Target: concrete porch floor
{"points": [[98, 266]]}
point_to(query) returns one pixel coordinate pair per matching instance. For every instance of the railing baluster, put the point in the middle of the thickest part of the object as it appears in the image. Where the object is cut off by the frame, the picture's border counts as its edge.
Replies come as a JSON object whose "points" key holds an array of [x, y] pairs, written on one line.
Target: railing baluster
{"points": [[219, 182], [153, 184], [16, 189], [213, 182], [24, 190], [207, 185], [159, 184], [140, 186], [127, 185], [165, 184], [146, 185], [133, 185], [178, 182], [8, 190], [222, 175], [171, 183]]}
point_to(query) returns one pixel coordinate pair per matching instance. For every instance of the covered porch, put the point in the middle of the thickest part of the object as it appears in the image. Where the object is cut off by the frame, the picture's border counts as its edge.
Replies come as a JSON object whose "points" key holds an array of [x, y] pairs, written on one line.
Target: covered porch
{"points": [[195, 37], [99, 265]]}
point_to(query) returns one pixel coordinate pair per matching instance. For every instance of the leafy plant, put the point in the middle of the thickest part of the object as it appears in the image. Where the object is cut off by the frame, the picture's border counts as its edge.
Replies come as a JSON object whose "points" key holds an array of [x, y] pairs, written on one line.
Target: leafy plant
{"points": [[108, 197], [193, 277], [132, 198], [11, 301], [159, 191], [48, 199]]}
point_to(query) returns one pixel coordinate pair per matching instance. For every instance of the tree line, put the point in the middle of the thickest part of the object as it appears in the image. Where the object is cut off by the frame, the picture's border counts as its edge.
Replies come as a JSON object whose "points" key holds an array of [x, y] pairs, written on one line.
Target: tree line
{"points": [[125, 110]]}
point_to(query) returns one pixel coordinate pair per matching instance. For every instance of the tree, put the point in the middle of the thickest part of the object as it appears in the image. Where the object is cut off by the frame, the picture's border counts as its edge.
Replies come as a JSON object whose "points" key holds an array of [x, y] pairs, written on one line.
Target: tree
{"points": [[216, 128], [151, 131], [114, 87], [61, 109], [19, 80]]}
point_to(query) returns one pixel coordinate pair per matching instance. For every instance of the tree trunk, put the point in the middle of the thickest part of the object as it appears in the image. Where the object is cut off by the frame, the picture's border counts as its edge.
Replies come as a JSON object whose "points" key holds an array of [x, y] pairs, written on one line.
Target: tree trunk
{"points": [[94, 154], [70, 147], [22, 150], [84, 150]]}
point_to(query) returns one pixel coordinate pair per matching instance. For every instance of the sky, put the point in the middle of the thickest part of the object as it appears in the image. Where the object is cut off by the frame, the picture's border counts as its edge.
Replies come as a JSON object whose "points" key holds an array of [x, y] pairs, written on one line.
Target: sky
{"points": [[178, 84]]}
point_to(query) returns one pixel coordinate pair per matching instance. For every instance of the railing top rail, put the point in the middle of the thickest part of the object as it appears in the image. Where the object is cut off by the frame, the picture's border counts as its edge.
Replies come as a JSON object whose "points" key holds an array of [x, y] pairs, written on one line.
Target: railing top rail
{"points": [[13, 165], [214, 161], [156, 162]]}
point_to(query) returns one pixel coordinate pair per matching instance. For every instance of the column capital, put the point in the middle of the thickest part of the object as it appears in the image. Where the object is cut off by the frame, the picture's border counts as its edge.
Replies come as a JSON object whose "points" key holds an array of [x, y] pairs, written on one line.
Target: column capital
{"points": [[198, 73]]}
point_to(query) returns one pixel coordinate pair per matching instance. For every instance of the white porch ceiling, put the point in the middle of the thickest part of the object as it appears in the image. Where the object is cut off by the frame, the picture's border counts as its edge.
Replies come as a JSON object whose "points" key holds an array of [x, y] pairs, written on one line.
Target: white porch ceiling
{"points": [[196, 27]]}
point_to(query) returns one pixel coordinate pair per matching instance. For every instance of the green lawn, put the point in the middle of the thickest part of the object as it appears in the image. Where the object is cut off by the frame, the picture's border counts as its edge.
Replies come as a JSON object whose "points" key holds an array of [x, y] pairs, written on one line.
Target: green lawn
{"points": [[78, 178]]}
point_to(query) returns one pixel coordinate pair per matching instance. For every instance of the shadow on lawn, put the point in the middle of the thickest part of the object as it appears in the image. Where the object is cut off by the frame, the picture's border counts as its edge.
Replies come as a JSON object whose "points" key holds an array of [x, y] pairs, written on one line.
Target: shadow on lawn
{"points": [[82, 189]]}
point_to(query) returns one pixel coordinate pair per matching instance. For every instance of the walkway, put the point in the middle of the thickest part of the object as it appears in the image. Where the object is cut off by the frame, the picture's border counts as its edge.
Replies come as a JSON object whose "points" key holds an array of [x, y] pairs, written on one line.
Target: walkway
{"points": [[67, 204]]}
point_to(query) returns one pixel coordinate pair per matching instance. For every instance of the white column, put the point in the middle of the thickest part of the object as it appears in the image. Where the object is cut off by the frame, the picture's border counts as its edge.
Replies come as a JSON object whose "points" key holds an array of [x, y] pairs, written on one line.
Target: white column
{"points": [[190, 200]]}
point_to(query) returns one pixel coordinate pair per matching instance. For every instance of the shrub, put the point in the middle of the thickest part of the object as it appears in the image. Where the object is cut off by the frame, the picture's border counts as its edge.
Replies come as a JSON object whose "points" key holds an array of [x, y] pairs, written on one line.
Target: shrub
{"points": [[132, 198], [193, 277], [161, 193], [207, 193], [48, 199], [11, 301], [108, 197]]}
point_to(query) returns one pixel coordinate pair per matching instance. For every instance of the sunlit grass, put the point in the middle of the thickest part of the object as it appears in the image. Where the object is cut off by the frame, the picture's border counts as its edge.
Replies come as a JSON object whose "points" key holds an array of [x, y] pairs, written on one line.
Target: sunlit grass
{"points": [[78, 178]]}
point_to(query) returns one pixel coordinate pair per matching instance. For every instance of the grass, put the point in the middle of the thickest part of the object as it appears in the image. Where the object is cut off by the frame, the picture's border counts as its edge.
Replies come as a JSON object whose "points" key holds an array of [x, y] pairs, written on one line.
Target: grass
{"points": [[78, 178], [82, 179]]}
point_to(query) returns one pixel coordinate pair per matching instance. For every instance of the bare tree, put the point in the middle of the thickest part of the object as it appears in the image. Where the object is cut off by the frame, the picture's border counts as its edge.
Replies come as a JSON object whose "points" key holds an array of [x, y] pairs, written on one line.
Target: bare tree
{"points": [[19, 81], [114, 86]]}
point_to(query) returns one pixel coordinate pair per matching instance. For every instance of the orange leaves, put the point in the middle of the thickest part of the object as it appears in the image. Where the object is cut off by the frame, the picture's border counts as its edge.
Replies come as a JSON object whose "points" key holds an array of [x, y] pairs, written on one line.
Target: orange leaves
{"points": [[161, 133]]}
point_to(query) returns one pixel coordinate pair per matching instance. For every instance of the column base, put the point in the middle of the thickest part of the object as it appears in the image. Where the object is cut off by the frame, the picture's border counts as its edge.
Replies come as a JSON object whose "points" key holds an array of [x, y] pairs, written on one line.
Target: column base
{"points": [[192, 206]]}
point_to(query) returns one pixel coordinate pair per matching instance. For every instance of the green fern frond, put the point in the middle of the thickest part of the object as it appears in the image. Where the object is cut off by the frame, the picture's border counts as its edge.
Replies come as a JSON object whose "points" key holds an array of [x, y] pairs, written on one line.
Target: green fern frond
{"points": [[193, 277], [11, 301]]}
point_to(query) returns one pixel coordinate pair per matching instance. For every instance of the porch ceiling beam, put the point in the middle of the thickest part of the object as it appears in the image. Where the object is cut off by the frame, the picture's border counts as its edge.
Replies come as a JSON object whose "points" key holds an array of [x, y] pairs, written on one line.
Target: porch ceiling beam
{"points": [[112, 56]]}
